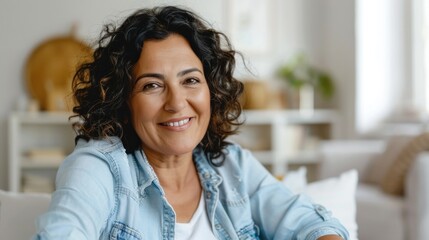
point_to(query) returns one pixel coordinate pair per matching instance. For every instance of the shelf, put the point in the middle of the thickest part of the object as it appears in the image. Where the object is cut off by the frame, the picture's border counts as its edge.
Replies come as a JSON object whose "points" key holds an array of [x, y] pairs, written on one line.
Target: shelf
{"points": [[289, 116], [305, 157], [28, 164], [38, 143], [42, 117], [265, 157], [279, 138]]}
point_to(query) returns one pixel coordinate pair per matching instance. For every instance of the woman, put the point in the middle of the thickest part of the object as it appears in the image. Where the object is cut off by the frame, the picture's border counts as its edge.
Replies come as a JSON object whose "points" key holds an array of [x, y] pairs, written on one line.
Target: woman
{"points": [[151, 161]]}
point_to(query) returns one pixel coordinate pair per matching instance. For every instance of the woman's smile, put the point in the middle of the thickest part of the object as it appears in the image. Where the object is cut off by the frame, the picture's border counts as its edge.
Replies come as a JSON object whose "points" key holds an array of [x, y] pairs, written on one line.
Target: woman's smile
{"points": [[177, 124]]}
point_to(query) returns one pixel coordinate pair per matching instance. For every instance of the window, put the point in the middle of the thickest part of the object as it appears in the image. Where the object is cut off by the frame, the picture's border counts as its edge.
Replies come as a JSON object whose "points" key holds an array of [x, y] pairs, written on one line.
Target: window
{"points": [[392, 62], [425, 37], [421, 53], [382, 61]]}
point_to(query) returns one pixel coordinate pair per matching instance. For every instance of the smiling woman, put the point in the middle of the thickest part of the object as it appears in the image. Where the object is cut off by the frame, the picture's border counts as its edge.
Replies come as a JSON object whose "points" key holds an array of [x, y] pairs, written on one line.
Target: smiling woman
{"points": [[157, 102]]}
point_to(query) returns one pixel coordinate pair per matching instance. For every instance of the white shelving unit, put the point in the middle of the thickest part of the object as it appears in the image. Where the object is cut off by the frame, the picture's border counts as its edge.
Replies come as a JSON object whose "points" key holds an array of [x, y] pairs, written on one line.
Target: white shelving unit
{"points": [[275, 137], [38, 142], [280, 138]]}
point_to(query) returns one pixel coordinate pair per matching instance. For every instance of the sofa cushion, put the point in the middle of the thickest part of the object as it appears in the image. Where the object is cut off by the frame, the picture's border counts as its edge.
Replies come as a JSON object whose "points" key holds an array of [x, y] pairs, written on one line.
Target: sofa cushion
{"points": [[380, 165], [337, 194], [393, 180], [338, 156], [417, 198], [379, 215], [18, 213]]}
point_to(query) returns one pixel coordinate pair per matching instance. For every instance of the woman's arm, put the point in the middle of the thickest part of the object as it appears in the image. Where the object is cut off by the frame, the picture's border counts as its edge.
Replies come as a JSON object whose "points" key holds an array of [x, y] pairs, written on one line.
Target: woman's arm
{"points": [[279, 213], [82, 201]]}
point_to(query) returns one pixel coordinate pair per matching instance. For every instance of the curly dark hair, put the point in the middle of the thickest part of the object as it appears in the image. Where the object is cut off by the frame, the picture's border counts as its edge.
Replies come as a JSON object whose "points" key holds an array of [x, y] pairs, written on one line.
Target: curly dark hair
{"points": [[103, 86]]}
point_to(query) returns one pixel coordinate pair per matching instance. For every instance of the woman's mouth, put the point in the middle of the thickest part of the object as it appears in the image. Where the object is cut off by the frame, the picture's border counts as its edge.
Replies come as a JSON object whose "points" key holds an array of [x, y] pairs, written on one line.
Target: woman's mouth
{"points": [[176, 123]]}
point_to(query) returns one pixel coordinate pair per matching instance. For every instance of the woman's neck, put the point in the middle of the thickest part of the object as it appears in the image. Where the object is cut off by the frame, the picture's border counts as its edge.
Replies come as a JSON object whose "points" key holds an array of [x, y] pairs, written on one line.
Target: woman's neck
{"points": [[176, 177], [173, 171], [179, 179]]}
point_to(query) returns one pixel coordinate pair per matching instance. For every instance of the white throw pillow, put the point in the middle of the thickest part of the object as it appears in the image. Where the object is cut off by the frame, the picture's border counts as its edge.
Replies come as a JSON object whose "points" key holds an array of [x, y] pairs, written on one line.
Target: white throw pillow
{"points": [[336, 194], [296, 180], [18, 213]]}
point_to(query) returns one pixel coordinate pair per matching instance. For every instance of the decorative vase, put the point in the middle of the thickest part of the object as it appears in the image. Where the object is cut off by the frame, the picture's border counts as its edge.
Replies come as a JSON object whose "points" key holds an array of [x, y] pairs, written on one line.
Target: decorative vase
{"points": [[306, 99]]}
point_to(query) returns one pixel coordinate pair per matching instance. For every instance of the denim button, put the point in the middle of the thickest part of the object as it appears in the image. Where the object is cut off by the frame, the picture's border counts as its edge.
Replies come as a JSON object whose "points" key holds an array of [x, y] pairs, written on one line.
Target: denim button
{"points": [[322, 212], [209, 195], [206, 175], [217, 226]]}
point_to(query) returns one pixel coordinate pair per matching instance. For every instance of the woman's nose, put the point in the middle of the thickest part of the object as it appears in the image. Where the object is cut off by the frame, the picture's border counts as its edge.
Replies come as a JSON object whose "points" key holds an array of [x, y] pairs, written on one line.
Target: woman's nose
{"points": [[175, 100]]}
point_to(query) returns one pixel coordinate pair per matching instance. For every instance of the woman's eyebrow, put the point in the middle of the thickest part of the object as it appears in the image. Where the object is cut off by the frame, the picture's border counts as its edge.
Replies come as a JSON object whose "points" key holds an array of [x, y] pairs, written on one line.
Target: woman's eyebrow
{"points": [[151, 75], [162, 77], [186, 71]]}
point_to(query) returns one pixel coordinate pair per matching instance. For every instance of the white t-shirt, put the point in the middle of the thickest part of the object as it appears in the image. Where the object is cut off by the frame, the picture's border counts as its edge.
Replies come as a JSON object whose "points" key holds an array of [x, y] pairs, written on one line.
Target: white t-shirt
{"points": [[198, 228]]}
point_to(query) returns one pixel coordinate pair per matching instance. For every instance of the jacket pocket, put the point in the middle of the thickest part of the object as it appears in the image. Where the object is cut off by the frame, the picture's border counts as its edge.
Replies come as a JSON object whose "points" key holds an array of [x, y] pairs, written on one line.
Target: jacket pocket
{"points": [[248, 232], [121, 231]]}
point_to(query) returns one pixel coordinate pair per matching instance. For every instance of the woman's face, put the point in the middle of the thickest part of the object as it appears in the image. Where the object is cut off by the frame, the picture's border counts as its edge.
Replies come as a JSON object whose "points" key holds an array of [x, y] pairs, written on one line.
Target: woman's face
{"points": [[170, 103]]}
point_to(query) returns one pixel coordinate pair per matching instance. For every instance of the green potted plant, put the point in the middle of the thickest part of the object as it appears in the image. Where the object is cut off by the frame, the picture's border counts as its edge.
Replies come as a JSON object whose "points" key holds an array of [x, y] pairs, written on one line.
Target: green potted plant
{"points": [[301, 76]]}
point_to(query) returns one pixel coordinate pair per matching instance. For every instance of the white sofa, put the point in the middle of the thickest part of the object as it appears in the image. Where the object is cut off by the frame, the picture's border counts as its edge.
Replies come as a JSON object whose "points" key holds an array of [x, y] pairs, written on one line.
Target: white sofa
{"points": [[18, 213], [381, 215]]}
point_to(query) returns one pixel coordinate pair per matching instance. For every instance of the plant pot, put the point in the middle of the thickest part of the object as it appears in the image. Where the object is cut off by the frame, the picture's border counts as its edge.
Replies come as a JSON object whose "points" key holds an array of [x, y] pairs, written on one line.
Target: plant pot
{"points": [[306, 99]]}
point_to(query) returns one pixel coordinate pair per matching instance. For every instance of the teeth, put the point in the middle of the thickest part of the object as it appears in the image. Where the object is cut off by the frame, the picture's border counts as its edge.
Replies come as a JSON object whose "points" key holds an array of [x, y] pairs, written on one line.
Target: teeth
{"points": [[177, 124]]}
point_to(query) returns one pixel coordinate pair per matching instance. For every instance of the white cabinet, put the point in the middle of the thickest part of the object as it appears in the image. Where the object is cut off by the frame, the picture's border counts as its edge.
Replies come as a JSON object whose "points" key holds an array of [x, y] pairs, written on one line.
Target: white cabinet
{"points": [[38, 142], [281, 138]]}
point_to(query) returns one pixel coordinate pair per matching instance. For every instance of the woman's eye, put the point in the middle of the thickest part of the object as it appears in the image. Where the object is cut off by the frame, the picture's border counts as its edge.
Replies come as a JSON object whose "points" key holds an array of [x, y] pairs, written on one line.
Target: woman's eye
{"points": [[151, 86], [192, 81]]}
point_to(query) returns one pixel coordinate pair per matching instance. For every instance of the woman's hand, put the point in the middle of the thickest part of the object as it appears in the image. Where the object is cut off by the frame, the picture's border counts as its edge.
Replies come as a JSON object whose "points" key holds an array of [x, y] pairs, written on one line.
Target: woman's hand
{"points": [[331, 237]]}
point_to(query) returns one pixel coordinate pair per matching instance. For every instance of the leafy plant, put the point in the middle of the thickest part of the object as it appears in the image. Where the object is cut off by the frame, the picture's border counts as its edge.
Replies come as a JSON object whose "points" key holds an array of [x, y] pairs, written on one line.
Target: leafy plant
{"points": [[298, 72]]}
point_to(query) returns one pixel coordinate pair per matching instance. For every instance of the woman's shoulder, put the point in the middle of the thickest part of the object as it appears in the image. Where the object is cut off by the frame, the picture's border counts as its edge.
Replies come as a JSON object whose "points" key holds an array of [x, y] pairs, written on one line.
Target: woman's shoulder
{"points": [[236, 154], [96, 154], [104, 145]]}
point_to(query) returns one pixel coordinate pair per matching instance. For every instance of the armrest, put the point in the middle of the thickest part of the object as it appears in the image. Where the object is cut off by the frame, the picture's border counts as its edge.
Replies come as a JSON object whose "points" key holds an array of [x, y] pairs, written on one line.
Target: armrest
{"points": [[338, 156], [18, 213], [417, 197]]}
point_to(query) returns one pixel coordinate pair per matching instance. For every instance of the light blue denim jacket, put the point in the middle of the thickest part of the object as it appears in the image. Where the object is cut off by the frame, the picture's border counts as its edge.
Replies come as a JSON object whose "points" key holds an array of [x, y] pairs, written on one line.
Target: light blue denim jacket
{"points": [[103, 193]]}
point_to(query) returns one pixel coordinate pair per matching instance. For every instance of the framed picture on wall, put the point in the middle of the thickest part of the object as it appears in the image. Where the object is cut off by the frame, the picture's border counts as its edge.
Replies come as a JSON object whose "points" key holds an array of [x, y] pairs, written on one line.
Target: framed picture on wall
{"points": [[250, 25]]}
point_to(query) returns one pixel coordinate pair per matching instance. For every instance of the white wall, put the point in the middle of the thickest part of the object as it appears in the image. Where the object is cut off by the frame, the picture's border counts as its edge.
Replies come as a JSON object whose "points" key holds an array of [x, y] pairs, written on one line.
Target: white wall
{"points": [[323, 29], [337, 55]]}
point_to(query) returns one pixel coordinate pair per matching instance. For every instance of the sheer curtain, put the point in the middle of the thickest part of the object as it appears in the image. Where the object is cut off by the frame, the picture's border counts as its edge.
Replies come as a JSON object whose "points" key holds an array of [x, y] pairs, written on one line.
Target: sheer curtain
{"points": [[421, 54], [383, 61]]}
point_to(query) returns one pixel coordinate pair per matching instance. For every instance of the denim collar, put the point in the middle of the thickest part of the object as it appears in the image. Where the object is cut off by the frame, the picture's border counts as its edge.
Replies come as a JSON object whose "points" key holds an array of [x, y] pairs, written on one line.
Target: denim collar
{"points": [[209, 178]]}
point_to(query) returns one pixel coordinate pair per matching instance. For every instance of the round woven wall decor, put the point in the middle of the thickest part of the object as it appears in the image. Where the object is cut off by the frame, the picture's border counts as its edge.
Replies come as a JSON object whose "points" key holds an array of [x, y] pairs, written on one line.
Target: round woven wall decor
{"points": [[50, 69]]}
